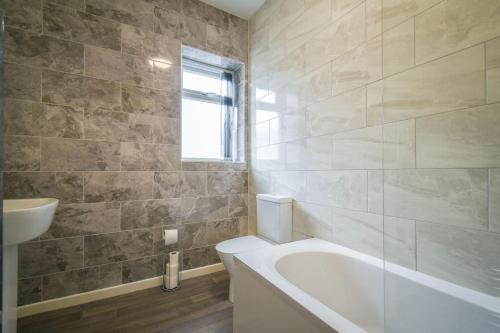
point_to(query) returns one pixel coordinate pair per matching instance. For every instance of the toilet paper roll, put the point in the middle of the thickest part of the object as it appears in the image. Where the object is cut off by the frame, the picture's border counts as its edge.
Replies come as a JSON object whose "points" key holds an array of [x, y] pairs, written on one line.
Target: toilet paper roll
{"points": [[173, 269], [170, 236]]}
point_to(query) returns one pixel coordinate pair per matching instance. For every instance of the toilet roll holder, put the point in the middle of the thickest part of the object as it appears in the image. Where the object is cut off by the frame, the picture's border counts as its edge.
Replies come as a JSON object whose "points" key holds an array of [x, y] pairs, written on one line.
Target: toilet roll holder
{"points": [[167, 274]]}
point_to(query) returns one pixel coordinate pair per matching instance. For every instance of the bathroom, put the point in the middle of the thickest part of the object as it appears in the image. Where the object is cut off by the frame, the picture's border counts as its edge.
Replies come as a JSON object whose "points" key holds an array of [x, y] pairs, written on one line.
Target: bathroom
{"points": [[250, 166]]}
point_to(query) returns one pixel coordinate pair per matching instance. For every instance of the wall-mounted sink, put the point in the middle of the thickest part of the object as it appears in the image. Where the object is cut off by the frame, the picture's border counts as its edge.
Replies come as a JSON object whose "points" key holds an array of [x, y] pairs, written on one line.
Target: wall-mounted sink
{"points": [[25, 219]]}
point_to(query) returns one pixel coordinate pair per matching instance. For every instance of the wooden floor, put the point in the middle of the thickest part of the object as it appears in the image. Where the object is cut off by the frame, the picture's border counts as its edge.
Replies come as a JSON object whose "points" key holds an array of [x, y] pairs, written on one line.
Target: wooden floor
{"points": [[200, 306]]}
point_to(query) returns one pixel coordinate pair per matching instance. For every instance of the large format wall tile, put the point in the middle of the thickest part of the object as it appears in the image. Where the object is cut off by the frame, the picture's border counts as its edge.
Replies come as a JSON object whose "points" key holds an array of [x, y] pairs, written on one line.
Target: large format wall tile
{"points": [[149, 157], [65, 186], [345, 189], [313, 220], [220, 183], [359, 231], [79, 281], [22, 153], [219, 231], [92, 112], [22, 82], [149, 101], [399, 145], [119, 246], [115, 66], [36, 119], [399, 241], [462, 24], [461, 139], [67, 23], [448, 196], [23, 14], [79, 155], [61, 88], [45, 257], [493, 70], [336, 114], [145, 43], [84, 219], [118, 186], [134, 12], [179, 184], [462, 256], [358, 67], [358, 149], [413, 93], [397, 11], [495, 200], [103, 124], [399, 48], [42, 51]]}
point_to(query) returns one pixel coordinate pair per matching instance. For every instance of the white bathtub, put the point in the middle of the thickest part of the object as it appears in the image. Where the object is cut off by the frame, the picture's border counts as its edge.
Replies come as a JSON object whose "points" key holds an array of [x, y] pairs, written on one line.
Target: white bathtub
{"points": [[315, 286]]}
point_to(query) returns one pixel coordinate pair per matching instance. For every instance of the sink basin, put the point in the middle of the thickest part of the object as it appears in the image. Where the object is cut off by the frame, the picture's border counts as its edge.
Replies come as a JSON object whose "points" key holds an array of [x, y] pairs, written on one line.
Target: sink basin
{"points": [[25, 219]]}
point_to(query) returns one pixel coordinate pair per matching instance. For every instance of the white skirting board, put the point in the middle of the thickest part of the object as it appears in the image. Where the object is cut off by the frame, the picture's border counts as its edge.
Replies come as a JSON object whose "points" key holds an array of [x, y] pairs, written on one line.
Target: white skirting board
{"points": [[95, 295]]}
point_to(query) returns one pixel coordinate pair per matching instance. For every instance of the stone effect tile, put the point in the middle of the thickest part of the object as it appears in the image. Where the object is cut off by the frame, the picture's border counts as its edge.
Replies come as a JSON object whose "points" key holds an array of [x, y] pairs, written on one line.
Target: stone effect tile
{"points": [[399, 241], [399, 50], [79, 281], [313, 220], [120, 246], [194, 235], [462, 24], [29, 291], [194, 258], [238, 205], [494, 199], [399, 145], [133, 12], [66, 186], [179, 184], [145, 268], [149, 157], [447, 196], [413, 93], [462, 256], [79, 155], [118, 186], [358, 149], [116, 126], [116, 66], [21, 153], [23, 14], [358, 230], [145, 43], [75, 90], [22, 82], [150, 102], [220, 183], [84, 219], [461, 139], [66, 23], [45, 257], [493, 70], [36, 119], [43, 51], [218, 231]]}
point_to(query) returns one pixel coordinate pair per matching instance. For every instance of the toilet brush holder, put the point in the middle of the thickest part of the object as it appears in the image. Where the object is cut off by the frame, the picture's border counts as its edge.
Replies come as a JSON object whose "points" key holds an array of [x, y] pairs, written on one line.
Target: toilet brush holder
{"points": [[171, 272]]}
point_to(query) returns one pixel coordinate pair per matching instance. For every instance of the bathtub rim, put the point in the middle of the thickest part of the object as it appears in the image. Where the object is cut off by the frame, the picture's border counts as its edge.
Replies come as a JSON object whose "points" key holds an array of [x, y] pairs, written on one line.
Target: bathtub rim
{"points": [[263, 262]]}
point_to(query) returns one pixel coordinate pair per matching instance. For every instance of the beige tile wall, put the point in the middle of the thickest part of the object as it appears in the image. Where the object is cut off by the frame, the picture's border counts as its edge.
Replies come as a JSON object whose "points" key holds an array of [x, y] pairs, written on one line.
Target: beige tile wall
{"points": [[384, 115]]}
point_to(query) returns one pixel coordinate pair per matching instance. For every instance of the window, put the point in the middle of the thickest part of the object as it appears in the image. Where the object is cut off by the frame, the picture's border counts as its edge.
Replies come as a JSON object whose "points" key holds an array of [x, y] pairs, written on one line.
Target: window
{"points": [[207, 111]]}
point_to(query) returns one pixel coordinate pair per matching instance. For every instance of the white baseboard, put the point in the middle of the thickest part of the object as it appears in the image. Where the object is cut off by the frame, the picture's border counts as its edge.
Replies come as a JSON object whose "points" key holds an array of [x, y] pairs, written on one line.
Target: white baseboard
{"points": [[95, 295]]}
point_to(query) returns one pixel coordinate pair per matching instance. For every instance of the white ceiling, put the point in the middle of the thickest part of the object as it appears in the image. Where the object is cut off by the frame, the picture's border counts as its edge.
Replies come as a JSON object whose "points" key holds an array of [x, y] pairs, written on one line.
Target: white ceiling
{"points": [[241, 8]]}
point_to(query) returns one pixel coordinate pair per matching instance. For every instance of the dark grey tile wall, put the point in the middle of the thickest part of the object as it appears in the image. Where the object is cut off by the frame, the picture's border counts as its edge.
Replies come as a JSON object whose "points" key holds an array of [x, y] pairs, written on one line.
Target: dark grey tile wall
{"points": [[92, 117]]}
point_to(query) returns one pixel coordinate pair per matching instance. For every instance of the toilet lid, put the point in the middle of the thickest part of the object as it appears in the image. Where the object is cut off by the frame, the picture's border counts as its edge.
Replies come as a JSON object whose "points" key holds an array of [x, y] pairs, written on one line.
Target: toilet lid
{"points": [[241, 244]]}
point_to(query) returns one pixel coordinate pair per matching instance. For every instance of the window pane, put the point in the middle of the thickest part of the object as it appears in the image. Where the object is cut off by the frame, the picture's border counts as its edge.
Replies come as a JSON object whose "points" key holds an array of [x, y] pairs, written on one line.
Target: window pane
{"points": [[203, 83], [201, 129]]}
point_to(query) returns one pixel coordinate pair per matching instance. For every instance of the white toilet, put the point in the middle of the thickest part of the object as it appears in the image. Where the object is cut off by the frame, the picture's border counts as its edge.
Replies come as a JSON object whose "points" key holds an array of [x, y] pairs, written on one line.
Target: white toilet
{"points": [[274, 226]]}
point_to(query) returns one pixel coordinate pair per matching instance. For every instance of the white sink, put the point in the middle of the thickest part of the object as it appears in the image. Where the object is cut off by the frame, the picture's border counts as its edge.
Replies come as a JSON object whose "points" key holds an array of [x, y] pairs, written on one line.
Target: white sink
{"points": [[25, 219]]}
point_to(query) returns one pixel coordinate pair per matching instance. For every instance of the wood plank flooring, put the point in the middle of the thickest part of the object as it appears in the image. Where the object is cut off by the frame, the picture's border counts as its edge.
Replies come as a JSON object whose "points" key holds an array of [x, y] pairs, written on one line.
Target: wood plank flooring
{"points": [[200, 306]]}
